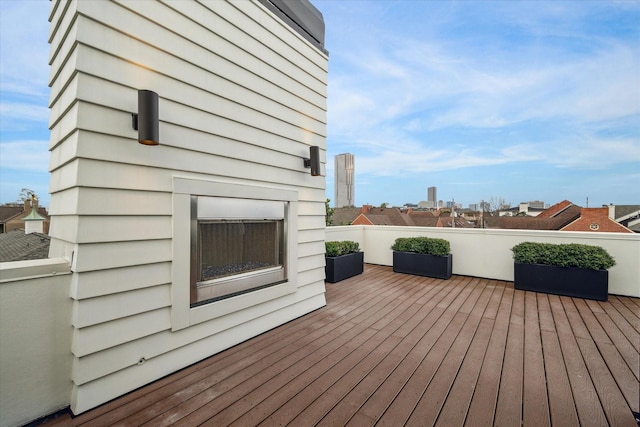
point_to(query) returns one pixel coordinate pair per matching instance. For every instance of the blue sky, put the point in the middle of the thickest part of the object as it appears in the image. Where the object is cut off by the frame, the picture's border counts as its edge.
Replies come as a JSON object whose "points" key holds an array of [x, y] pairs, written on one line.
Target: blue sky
{"points": [[518, 100], [514, 100]]}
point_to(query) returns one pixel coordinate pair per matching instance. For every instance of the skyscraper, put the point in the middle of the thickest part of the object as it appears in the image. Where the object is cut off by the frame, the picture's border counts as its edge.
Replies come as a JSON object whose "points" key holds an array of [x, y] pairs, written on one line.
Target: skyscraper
{"points": [[432, 196], [344, 180]]}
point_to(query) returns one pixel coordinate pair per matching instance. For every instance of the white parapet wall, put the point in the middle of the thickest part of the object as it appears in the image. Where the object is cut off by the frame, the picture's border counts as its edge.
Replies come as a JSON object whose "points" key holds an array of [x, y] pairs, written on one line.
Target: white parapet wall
{"points": [[35, 339], [487, 252]]}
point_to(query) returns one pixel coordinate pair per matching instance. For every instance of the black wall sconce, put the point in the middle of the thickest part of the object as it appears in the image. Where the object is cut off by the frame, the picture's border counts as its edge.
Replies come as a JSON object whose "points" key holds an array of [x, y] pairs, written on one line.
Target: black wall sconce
{"points": [[313, 161], [146, 120]]}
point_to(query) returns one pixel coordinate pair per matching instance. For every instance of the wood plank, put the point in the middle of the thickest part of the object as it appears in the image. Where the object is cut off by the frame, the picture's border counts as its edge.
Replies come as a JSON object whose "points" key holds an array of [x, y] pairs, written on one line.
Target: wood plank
{"points": [[343, 374], [357, 395], [397, 349], [427, 333], [406, 401], [620, 371], [456, 406], [428, 351], [437, 392], [630, 316], [562, 409], [621, 324], [509, 405], [535, 406], [358, 334], [492, 308], [584, 393], [305, 398], [485, 397], [633, 304], [591, 323], [544, 313], [625, 379], [613, 403], [628, 348]]}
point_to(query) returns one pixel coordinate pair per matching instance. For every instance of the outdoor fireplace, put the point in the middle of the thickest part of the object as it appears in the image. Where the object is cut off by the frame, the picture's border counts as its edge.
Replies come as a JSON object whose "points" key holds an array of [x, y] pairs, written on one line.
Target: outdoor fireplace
{"points": [[237, 245]]}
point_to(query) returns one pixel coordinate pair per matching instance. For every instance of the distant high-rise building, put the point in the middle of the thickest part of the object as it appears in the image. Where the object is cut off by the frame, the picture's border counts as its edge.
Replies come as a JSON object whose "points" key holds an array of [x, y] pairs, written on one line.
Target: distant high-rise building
{"points": [[432, 195], [344, 180]]}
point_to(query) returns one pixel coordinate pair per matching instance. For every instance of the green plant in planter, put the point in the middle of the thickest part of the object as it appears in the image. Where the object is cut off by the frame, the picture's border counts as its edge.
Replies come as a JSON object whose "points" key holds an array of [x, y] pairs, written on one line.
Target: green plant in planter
{"points": [[343, 260], [422, 256], [572, 269], [341, 247], [422, 245], [563, 255]]}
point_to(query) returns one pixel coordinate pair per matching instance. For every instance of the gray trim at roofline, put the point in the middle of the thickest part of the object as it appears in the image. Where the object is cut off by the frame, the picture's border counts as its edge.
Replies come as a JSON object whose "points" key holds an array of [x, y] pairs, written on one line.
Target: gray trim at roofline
{"points": [[302, 16]]}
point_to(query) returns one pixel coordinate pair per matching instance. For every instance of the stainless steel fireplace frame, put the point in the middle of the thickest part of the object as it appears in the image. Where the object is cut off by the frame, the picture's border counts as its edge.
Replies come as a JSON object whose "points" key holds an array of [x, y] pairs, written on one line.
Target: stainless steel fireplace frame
{"points": [[183, 314], [220, 210]]}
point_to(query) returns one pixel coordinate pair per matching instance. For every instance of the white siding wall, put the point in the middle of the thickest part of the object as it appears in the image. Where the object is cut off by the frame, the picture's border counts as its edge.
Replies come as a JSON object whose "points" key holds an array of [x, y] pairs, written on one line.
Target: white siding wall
{"points": [[242, 97]]}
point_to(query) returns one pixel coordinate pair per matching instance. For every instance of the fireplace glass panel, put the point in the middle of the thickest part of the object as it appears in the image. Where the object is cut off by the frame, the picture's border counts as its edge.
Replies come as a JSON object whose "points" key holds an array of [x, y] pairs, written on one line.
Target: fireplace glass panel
{"points": [[234, 256], [232, 247]]}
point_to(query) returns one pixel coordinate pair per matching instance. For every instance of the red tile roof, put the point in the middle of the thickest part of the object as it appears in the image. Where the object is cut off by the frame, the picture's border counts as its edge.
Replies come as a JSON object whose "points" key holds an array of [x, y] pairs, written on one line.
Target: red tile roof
{"points": [[596, 220], [556, 209]]}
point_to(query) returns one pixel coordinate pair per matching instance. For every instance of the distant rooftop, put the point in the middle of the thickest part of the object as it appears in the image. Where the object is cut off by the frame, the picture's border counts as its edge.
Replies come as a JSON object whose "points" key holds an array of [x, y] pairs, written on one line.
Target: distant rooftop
{"points": [[18, 246]]}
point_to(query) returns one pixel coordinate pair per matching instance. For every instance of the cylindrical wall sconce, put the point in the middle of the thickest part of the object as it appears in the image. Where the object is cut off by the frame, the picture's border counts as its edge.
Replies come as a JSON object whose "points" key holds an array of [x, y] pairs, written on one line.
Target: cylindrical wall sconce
{"points": [[313, 162], [146, 121]]}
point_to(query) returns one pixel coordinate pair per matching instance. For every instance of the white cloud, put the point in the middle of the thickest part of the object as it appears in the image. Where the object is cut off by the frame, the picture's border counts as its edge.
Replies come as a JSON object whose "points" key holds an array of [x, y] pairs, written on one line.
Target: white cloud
{"points": [[19, 111], [28, 155], [595, 153], [24, 49]]}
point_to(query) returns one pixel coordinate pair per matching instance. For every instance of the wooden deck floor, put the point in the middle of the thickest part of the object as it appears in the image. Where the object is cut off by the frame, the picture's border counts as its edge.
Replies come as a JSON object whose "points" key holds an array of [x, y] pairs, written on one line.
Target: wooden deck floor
{"points": [[393, 349]]}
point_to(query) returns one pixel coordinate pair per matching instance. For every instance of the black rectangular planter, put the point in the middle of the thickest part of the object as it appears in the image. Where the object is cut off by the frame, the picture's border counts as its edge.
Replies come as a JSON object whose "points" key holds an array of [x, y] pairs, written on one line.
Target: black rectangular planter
{"points": [[567, 281], [344, 266], [422, 264]]}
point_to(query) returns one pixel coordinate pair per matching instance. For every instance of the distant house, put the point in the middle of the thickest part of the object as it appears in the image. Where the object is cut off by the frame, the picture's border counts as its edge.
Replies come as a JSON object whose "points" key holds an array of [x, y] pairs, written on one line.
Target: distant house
{"points": [[12, 216], [553, 218], [15, 245], [627, 215], [345, 216], [382, 216], [563, 216], [369, 215], [596, 220], [523, 209]]}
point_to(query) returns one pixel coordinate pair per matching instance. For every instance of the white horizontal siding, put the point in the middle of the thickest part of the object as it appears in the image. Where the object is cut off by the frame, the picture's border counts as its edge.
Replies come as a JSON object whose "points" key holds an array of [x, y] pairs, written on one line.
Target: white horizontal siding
{"points": [[100, 174], [97, 229], [310, 249], [212, 39], [194, 63], [105, 201], [117, 306], [88, 340], [311, 262], [115, 280], [102, 256], [278, 38]]}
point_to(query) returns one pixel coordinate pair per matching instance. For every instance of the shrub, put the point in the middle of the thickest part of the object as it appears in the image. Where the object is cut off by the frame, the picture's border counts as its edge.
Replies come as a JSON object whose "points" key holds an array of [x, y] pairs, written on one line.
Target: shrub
{"points": [[563, 255], [422, 245], [342, 247]]}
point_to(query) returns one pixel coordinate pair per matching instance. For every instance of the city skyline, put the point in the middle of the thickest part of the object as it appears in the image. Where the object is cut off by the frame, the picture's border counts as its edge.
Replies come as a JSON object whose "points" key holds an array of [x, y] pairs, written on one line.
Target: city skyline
{"points": [[518, 100]]}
